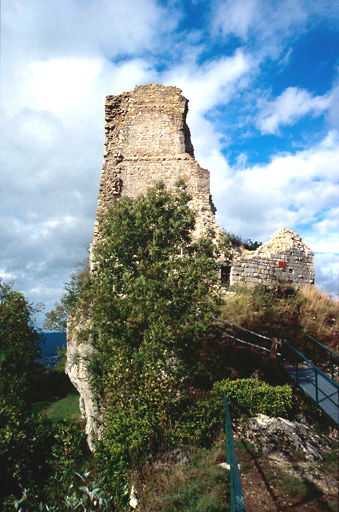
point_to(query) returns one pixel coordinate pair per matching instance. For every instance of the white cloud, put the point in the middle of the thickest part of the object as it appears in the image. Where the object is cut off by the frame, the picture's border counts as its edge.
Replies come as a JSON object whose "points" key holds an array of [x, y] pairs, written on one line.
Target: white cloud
{"points": [[236, 17], [58, 85], [327, 272], [60, 59], [292, 191], [91, 28], [268, 23], [211, 83], [290, 106]]}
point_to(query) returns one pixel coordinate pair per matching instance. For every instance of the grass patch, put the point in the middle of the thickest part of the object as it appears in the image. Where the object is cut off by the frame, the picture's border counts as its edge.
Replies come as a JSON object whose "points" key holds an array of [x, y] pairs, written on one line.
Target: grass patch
{"points": [[285, 312], [66, 407], [197, 484], [295, 487]]}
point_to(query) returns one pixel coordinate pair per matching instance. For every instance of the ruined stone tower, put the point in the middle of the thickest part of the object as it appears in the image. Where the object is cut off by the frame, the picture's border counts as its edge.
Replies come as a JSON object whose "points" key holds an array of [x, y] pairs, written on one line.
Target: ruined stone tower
{"points": [[147, 140]]}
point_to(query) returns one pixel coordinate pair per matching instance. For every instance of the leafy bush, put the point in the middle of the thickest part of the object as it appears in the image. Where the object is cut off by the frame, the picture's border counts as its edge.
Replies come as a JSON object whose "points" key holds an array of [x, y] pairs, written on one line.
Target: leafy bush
{"points": [[19, 347], [247, 397], [151, 297], [38, 459], [238, 241], [84, 494]]}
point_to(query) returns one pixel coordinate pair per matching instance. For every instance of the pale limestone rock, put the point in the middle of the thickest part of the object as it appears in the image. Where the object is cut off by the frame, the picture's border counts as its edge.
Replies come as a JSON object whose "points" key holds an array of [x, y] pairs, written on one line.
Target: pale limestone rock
{"points": [[79, 352], [281, 436]]}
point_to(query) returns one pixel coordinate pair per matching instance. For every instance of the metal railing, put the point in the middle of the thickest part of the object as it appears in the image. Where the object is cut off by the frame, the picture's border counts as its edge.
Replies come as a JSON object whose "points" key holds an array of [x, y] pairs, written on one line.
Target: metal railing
{"points": [[237, 499], [302, 379], [246, 336], [326, 395], [321, 355]]}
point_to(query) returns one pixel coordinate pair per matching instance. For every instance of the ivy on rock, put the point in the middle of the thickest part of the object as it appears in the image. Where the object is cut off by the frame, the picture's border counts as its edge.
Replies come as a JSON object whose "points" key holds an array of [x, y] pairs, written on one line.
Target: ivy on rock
{"points": [[151, 297]]}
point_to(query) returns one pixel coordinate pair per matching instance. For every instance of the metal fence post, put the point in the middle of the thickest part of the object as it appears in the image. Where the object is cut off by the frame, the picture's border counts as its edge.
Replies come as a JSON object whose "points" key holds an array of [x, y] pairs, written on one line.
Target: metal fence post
{"points": [[316, 386], [237, 499]]}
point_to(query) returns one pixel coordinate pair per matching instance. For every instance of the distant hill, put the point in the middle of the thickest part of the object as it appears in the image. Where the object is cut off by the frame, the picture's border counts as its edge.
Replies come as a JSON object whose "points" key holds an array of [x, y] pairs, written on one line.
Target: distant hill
{"points": [[49, 342]]}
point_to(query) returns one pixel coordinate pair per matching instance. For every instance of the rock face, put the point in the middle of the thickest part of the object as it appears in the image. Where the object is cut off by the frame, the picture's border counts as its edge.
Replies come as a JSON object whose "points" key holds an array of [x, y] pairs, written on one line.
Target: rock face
{"points": [[147, 140], [284, 259], [79, 350], [278, 436]]}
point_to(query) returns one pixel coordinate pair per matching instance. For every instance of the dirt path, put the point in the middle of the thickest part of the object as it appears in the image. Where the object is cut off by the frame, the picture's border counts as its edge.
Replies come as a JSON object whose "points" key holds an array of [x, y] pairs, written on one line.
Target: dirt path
{"points": [[271, 486]]}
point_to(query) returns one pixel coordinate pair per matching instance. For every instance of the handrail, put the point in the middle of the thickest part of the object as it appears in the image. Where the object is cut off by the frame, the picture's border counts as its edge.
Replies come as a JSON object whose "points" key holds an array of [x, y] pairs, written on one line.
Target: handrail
{"points": [[321, 345], [309, 362], [247, 342], [237, 499], [233, 336], [242, 328], [315, 383]]}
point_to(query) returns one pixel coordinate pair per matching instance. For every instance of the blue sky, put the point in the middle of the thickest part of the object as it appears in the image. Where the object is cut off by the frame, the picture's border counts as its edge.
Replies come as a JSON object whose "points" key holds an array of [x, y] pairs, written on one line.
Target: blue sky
{"points": [[262, 79]]}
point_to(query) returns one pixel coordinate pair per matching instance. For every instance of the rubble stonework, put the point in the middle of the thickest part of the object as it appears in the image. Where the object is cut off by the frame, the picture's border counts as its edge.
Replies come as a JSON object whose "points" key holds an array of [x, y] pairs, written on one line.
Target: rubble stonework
{"points": [[147, 140], [284, 259]]}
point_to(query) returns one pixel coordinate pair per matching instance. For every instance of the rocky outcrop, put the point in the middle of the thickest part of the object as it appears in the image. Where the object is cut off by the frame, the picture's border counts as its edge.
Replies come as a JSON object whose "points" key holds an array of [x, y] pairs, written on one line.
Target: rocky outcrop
{"points": [[79, 351], [292, 447], [279, 436]]}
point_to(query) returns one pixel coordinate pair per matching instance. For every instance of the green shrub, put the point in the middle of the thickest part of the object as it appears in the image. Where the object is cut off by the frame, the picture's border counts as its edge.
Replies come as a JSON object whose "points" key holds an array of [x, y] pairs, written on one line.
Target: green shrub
{"points": [[247, 397]]}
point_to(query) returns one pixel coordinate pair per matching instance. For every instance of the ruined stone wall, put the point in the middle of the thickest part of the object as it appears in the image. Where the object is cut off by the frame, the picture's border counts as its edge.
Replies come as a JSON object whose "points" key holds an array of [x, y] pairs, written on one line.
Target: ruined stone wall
{"points": [[284, 259], [147, 140]]}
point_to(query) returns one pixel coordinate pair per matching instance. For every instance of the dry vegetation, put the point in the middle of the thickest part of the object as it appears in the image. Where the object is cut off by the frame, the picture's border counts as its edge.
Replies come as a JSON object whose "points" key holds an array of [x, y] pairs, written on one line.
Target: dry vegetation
{"points": [[285, 312]]}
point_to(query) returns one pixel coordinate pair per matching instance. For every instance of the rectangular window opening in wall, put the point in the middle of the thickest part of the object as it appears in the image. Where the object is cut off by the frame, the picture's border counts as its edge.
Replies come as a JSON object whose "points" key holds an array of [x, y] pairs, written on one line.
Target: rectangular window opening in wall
{"points": [[225, 274]]}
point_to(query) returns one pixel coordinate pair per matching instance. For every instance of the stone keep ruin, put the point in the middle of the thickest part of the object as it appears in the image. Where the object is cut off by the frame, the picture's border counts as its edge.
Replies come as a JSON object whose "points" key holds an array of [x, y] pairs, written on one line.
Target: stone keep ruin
{"points": [[147, 140]]}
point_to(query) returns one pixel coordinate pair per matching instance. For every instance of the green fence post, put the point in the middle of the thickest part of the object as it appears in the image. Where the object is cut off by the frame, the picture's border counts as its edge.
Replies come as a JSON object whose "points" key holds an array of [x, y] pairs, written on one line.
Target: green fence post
{"points": [[237, 499], [316, 386]]}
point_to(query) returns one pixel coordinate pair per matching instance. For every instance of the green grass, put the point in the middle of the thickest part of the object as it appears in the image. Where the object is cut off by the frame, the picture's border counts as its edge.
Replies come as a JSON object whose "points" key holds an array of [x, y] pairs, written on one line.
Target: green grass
{"points": [[197, 485], [68, 406]]}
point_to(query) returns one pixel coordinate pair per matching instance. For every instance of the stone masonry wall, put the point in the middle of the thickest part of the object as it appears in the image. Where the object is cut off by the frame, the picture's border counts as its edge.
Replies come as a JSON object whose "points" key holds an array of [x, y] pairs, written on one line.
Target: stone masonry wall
{"points": [[284, 259], [147, 140]]}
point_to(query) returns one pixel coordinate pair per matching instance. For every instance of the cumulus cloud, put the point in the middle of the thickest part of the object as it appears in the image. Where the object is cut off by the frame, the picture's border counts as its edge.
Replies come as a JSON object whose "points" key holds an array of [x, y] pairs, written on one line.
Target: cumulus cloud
{"points": [[292, 190], [91, 28], [327, 272], [290, 106], [60, 59]]}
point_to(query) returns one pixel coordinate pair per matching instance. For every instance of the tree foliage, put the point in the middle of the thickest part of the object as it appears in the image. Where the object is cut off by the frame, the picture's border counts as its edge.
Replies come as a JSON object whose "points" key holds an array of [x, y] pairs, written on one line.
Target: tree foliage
{"points": [[150, 300], [19, 346], [56, 319], [238, 241]]}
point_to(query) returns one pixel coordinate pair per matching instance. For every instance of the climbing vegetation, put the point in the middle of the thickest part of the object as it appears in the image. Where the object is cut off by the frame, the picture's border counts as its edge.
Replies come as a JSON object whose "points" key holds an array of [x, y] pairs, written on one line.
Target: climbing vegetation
{"points": [[151, 297]]}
